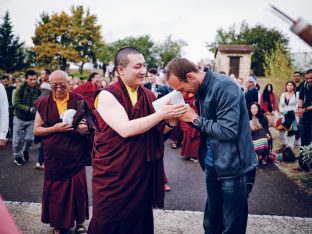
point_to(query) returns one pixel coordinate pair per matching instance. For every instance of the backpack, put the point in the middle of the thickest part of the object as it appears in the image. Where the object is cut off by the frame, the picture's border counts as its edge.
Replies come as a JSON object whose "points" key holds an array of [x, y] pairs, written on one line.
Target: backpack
{"points": [[288, 155]]}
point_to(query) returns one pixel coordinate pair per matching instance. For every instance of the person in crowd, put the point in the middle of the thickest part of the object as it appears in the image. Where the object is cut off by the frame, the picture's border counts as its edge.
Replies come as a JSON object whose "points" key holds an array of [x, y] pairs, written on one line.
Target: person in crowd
{"points": [[9, 92], [88, 89], [287, 108], [191, 136], [159, 91], [260, 139], [226, 150], [104, 83], [114, 77], [153, 81], [46, 90], [257, 114], [77, 82], [24, 115], [297, 80], [252, 74], [7, 223], [127, 179], [44, 76], [18, 81], [4, 116], [71, 84], [305, 110], [299, 84], [251, 94], [268, 103], [65, 196]]}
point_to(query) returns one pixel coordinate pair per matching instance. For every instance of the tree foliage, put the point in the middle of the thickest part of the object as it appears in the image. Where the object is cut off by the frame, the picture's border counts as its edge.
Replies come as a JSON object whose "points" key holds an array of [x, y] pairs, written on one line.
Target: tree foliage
{"points": [[261, 38], [63, 38], [170, 49], [155, 54], [12, 52], [143, 43], [278, 68]]}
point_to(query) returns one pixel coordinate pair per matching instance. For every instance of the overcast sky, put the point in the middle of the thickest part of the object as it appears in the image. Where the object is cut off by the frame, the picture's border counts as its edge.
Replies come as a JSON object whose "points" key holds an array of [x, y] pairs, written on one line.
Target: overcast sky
{"points": [[194, 21]]}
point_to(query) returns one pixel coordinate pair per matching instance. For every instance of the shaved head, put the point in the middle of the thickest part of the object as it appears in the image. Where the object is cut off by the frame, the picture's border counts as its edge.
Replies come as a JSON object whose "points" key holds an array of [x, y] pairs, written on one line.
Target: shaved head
{"points": [[58, 73]]}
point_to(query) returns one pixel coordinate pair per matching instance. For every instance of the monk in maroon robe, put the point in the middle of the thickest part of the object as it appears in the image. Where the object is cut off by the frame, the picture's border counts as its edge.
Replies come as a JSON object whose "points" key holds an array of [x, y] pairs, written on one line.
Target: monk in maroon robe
{"points": [[127, 179], [88, 89], [191, 136], [65, 197]]}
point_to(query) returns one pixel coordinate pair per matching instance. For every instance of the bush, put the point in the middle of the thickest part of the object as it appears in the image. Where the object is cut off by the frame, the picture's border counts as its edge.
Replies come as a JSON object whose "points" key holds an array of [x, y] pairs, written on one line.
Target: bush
{"points": [[278, 68]]}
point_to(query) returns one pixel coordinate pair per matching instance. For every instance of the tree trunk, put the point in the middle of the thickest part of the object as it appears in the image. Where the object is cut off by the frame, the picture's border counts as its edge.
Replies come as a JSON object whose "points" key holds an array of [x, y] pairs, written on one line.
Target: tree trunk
{"points": [[63, 64], [81, 68]]}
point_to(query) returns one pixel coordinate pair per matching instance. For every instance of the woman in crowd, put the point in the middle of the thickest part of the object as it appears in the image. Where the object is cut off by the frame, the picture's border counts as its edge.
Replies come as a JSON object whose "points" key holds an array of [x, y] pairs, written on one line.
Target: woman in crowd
{"points": [[268, 103], [287, 107], [257, 114]]}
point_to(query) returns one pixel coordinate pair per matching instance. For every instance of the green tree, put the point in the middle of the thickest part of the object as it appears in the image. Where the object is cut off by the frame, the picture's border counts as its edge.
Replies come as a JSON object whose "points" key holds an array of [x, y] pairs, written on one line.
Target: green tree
{"points": [[170, 49], [12, 52], [86, 35], [53, 42], [278, 68], [143, 43], [261, 38]]}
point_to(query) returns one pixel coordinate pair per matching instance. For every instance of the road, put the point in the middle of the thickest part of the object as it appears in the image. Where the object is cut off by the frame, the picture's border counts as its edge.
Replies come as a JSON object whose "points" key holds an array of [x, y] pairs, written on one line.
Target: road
{"points": [[273, 194]]}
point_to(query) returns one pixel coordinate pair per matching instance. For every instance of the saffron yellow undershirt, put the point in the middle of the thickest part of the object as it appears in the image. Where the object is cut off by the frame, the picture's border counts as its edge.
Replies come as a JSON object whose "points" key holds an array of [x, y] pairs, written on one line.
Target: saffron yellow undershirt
{"points": [[96, 101], [61, 105], [133, 94]]}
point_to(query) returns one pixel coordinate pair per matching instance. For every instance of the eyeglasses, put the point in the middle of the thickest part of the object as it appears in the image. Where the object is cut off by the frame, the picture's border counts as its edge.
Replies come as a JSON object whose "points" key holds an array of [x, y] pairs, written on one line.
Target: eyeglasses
{"points": [[61, 86]]}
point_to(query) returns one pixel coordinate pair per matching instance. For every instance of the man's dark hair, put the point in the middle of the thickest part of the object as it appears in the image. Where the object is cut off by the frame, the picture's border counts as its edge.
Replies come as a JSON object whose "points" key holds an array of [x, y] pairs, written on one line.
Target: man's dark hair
{"points": [[47, 71], [297, 72], [122, 59], [180, 67], [152, 71], [92, 75], [5, 77], [308, 71], [30, 73]]}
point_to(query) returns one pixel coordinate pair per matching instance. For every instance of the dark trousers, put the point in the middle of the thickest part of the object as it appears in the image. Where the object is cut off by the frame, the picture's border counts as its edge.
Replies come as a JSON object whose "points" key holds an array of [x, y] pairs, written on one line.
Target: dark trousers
{"points": [[226, 207], [306, 137], [41, 154]]}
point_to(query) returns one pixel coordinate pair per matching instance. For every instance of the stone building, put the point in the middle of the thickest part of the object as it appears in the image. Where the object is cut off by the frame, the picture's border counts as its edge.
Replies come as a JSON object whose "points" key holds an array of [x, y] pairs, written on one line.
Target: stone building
{"points": [[234, 59]]}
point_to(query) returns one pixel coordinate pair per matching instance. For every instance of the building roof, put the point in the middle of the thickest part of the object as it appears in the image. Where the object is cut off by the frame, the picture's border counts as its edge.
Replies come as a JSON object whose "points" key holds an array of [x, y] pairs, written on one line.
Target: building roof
{"points": [[230, 49]]}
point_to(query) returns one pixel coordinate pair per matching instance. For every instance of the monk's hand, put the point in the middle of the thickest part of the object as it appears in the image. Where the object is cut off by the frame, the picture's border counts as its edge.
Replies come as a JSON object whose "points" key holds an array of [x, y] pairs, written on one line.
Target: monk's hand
{"points": [[2, 143], [170, 111], [82, 127], [63, 127], [189, 115]]}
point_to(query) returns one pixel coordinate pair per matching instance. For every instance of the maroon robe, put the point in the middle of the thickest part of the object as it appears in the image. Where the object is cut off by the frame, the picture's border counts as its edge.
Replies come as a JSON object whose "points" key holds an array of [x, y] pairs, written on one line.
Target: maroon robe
{"points": [[87, 90], [127, 179], [64, 197], [191, 136]]}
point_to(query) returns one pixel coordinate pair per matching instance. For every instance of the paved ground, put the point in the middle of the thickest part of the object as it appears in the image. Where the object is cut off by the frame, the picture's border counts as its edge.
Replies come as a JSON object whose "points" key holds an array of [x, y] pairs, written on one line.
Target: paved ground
{"points": [[273, 197], [27, 216]]}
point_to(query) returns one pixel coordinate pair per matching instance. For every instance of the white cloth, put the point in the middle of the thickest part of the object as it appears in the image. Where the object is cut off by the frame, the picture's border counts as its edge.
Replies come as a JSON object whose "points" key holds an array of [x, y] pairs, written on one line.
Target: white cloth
{"points": [[4, 113], [292, 105]]}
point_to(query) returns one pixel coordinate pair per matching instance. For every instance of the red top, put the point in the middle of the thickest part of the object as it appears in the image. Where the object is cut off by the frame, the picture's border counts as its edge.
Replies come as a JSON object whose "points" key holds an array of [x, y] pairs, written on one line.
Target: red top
{"points": [[264, 104], [87, 90]]}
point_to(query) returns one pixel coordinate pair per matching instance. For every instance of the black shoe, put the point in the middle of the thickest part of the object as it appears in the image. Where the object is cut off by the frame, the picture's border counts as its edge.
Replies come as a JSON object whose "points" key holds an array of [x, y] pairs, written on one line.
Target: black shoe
{"points": [[19, 161], [26, 156]]}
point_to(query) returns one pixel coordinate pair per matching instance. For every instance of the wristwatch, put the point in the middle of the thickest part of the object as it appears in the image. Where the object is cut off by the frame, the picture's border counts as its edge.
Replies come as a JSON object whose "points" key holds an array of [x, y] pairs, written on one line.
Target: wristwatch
{"points": [[196, 122]]}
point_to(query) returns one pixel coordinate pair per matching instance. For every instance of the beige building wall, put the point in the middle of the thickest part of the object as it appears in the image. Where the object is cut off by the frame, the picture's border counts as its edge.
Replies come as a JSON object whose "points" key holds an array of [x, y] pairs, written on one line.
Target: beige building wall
{"points": [[223, 63]]}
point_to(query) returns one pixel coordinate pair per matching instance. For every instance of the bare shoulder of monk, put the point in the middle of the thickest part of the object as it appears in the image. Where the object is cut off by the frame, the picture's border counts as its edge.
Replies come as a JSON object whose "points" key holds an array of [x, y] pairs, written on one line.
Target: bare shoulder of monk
{"points": [[111, 111]]}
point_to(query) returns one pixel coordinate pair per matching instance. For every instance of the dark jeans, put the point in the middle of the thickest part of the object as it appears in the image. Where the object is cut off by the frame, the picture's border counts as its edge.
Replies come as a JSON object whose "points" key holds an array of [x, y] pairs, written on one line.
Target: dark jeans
{"points": [[306, 137], [41, 154], [226, 207]]}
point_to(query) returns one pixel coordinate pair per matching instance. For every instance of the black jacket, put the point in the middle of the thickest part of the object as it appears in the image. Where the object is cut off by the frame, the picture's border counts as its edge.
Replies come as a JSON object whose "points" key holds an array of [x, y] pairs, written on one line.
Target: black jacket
{"points": [[224, 120]]}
